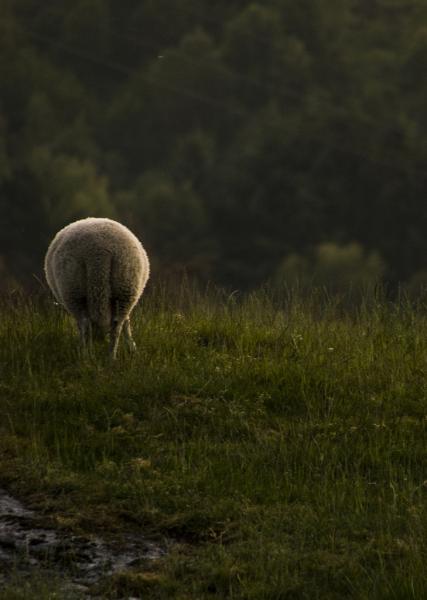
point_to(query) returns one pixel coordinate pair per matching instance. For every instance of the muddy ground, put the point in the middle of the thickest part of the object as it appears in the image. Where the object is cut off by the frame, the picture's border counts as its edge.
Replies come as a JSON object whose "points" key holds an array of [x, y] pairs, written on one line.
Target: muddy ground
{"points": [[27, 547]]}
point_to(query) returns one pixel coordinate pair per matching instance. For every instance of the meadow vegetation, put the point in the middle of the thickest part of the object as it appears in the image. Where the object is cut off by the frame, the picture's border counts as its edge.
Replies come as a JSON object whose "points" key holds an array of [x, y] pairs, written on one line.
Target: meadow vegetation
{"points": [[276, 445]]}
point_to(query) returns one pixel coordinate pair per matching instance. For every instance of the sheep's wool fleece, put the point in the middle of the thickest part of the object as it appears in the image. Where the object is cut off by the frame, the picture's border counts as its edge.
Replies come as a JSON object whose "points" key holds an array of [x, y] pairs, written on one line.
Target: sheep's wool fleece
{"points": [[97, 265]]}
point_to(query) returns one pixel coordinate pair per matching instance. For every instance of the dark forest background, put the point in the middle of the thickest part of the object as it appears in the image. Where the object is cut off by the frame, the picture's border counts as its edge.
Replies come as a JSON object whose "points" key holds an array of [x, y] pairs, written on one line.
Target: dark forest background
{"points": [[243, 142]]}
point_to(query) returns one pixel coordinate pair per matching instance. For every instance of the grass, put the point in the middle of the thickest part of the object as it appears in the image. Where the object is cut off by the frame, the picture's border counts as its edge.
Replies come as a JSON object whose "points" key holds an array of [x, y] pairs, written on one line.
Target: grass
{"points": [[281, 445]]}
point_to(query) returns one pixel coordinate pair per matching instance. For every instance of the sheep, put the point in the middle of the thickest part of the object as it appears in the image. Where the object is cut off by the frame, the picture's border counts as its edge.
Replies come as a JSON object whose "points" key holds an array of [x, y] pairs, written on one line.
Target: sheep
{"points": [[97, 269]]}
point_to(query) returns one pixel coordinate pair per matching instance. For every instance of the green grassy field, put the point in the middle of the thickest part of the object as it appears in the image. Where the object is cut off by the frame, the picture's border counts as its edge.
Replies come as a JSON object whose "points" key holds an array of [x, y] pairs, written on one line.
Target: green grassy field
{"points": [[281, 445]]}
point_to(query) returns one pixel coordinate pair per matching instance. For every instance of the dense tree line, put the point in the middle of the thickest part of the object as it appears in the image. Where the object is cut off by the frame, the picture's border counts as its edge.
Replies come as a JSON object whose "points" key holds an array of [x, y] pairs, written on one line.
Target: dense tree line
{"points": [[243, 141]]}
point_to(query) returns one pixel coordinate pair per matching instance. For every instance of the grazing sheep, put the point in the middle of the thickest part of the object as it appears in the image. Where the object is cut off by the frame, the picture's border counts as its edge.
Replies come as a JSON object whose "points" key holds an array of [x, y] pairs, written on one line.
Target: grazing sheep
{"points": [[97, 269]]}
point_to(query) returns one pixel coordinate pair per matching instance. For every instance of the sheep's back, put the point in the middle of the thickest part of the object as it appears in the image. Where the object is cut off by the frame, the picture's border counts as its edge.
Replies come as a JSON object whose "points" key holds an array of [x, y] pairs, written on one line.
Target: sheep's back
{"points": [[97, 257]]}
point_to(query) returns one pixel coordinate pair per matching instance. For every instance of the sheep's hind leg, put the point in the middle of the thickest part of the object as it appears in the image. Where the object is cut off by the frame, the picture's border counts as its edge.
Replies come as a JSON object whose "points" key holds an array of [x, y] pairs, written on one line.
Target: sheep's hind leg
{"points": [[128, 336], [85, 333], [116, 329]]}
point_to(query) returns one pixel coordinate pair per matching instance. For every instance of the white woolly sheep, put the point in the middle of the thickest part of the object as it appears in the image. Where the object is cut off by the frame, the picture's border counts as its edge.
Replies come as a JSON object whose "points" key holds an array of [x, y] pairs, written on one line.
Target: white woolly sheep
{"points": [[97, 269]]}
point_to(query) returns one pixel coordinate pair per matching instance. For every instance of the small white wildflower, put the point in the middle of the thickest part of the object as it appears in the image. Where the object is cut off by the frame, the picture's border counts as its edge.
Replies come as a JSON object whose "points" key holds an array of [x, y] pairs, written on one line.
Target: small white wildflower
{"points": [[331, 349]]}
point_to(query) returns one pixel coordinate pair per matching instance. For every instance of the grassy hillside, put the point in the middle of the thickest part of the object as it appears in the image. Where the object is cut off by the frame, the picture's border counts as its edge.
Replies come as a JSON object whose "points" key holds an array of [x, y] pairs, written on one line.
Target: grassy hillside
{"points": [[281, 445]]}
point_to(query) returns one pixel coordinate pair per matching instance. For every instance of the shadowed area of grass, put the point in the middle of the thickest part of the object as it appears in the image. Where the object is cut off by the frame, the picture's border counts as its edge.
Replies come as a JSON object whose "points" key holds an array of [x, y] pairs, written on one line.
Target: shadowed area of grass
{"points": [[280, 443]]}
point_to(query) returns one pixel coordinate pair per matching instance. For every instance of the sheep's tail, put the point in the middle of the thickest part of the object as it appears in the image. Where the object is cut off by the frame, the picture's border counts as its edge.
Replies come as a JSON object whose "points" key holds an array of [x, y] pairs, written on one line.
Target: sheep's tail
{"points": [[99, 293]]}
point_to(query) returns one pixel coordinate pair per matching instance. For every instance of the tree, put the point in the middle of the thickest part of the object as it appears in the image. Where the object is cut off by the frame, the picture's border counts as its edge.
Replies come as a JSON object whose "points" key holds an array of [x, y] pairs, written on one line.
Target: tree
{"points": [[339, 269], [69, 188], [173, 223]]}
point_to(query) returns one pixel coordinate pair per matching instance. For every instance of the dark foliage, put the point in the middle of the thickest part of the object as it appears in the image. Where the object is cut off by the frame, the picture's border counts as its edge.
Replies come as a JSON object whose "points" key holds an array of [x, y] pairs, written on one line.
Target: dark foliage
{"points": [[230, 137]]}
